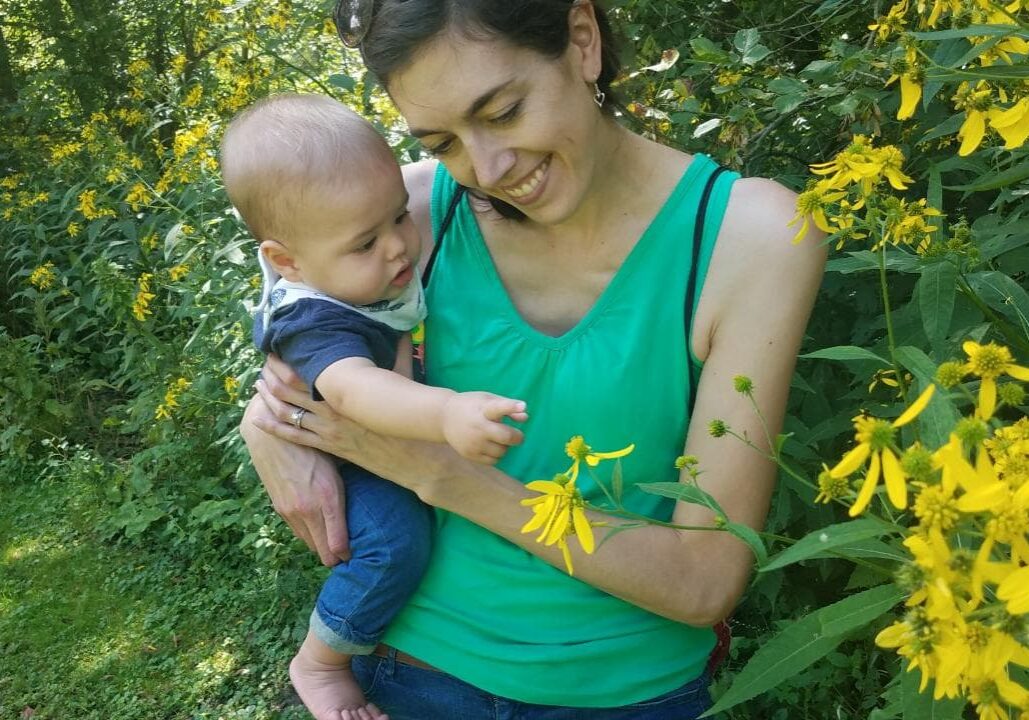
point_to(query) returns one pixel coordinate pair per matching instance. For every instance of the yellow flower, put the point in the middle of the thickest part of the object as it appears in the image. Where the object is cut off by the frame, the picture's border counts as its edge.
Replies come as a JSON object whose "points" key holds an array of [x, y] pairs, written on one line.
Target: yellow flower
{"points": [[74, 229], [177, 272], [193, 97], [990, 362], [141, 303], [178, 63], [1014, 591], [171, 399], [1012, 124], [43, 276], [88, 208], [578, 450], [811, 205], [138, 196], [231, 384], [875, 441], [560, 512], [137, 67]]}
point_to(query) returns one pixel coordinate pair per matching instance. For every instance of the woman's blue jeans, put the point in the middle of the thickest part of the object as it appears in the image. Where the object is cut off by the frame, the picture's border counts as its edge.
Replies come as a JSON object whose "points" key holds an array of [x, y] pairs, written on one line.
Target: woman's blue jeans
{"points": [[405, 692]]}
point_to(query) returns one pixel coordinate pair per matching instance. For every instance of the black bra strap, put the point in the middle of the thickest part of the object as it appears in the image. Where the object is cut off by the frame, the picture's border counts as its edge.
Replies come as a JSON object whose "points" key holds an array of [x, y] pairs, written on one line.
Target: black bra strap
{"points": [[691, 284], [444, 226]]}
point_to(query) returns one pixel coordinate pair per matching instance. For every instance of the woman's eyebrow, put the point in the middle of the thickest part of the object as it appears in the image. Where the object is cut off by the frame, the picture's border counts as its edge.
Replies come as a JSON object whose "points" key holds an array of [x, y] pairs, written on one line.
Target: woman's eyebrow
{"points": [[477, 104]]}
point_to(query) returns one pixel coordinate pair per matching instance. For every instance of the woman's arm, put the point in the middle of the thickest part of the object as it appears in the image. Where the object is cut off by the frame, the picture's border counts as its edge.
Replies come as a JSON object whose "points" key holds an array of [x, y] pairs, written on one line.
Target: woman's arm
{"points": [[756, 302]]}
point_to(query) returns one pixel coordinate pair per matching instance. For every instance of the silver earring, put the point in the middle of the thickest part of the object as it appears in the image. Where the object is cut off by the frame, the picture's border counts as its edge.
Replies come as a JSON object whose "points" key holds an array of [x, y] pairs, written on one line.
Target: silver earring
{"points": [[598, 95]]}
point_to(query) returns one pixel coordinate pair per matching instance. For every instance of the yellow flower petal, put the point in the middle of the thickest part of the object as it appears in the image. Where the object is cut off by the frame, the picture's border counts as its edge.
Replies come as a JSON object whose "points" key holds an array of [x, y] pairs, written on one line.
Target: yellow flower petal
{"points": [[545, 486], [1014, 590], [910, 94], [972, 132], [987, 398], [986, 498], [916, 407], [851, 461], [868, 489], [567, 556], [583, 531], [1018, 372], [559, 527], [896, 487]]}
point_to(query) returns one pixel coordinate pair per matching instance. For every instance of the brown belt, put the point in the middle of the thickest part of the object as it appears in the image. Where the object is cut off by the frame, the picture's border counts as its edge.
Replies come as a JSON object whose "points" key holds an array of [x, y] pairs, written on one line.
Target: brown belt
{"points": [[382, 650]]}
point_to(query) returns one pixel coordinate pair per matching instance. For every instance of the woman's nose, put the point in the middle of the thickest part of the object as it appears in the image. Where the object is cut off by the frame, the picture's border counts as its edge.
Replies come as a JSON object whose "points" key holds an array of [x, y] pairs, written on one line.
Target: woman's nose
{"points": [[490, 161]]}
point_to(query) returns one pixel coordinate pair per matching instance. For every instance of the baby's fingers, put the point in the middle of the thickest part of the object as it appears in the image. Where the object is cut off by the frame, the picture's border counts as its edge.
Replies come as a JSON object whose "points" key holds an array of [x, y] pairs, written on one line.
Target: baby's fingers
{"points": [[502, 434], [500, 408]]}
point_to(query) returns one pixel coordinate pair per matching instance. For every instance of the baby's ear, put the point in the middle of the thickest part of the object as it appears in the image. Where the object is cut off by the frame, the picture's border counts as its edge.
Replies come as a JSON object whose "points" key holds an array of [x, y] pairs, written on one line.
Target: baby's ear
{"points": [[281, 259]]}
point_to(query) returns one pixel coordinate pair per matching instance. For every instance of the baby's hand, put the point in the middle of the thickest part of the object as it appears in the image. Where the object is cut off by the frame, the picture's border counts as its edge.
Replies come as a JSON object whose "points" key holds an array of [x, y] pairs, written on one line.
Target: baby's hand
{"points": [[472, 425]]}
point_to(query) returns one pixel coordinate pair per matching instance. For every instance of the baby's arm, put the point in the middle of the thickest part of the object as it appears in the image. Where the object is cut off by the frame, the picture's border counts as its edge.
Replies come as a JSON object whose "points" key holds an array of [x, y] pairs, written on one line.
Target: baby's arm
{"points": [[387, 402]]}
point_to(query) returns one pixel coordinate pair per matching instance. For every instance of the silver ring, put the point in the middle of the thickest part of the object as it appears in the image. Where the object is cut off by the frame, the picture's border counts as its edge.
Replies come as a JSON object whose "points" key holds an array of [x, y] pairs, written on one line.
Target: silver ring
{"points": [[297, 417]]}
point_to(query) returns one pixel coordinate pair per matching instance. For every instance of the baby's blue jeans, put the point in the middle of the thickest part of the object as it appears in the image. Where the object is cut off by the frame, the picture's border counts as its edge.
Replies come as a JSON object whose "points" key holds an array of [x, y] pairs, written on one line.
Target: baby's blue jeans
{"points": [[390, 534]]}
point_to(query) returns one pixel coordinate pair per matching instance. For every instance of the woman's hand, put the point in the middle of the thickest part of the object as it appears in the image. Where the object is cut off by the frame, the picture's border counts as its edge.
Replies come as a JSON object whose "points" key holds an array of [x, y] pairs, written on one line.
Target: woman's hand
{"points": [[416, 465], [303, 485]]}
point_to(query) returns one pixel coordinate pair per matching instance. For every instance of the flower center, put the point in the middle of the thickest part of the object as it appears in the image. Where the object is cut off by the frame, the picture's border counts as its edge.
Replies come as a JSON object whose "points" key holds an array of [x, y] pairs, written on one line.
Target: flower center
{"points": [[877, 433], [989, 361]]}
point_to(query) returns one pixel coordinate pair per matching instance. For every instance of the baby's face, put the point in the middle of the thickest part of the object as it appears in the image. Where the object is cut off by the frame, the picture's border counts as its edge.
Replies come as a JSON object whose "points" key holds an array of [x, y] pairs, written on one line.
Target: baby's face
{"points": [[358, 245]]}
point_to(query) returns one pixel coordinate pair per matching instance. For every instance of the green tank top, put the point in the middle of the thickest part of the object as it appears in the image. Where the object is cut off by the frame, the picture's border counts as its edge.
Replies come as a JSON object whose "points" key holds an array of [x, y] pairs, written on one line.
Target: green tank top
{"points": [[489, 612]]}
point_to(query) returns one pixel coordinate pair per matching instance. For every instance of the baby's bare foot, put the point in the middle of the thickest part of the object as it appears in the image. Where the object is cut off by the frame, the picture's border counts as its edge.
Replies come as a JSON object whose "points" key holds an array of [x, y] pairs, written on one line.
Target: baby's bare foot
{"points": [[323, 680]]}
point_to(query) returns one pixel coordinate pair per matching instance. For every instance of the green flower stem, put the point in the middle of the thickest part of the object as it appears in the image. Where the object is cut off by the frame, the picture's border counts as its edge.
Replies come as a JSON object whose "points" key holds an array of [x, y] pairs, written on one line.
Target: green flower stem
{"points": [[889, 325]]}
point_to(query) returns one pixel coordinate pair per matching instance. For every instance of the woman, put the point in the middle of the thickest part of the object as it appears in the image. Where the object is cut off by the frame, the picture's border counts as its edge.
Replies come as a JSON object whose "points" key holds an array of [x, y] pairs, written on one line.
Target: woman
{"points": [[565, 277]]}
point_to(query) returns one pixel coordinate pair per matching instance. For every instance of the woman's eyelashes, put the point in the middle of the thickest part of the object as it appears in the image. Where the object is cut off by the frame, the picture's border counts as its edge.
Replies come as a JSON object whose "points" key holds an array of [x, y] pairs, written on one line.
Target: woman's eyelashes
{"points": [[507, 117]]}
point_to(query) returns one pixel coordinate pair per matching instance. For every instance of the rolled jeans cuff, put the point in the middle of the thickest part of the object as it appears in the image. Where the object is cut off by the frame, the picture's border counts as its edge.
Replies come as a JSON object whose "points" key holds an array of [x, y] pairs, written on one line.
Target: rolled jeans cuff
{"points": [[334, 640]]}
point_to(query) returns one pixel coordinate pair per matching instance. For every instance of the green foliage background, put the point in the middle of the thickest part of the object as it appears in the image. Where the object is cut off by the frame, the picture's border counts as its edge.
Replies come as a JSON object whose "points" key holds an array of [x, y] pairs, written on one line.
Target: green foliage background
{"points": [[124, 331]]}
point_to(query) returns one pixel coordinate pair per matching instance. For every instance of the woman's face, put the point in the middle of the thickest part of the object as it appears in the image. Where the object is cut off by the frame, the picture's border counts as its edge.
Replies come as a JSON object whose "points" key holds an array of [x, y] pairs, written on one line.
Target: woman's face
{"points": [[507, 120]]}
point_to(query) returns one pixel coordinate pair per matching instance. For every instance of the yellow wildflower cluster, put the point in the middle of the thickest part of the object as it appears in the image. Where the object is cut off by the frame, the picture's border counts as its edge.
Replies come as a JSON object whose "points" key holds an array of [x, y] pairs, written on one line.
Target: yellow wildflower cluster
{"points": [[171, 399], [149, 242], [43, 276], [74, 229], [132, 118], [177, 272], [64, 150], [967, 580], [88, 208], [141, 303], [138, 196], [178, 63], [559, 512], [193, 97], [848, 184], [1005, 109], [137, 67], [231, 384]]}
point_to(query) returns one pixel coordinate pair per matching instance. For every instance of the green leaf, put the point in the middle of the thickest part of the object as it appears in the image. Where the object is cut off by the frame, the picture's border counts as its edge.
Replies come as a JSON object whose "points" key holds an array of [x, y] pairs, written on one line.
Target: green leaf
{"points": [[846, 353], [344, 81], [827, 538], [707, 51], [997, 180], [948, 127], [748, 535], [804, 642], [617, 485], [971, 31], [936, 291], [685, 492], [991, 72], [921, 706], [1002, 293], [749, 45]]}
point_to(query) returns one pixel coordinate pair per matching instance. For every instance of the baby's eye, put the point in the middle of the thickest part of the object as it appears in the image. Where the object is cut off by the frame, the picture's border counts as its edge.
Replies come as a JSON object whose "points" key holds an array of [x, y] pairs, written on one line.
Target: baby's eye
{"points": [[508, 115], [402, 217], [367, 246]]}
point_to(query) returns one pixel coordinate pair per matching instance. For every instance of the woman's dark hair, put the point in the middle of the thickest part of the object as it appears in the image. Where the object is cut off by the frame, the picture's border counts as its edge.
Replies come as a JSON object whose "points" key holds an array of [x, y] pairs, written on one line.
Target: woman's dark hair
{"points": [[400, 28]]}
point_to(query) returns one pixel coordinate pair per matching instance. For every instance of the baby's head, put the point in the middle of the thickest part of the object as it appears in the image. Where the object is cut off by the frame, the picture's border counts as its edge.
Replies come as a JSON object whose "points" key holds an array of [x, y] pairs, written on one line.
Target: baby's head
{"points": [[320, 190]]}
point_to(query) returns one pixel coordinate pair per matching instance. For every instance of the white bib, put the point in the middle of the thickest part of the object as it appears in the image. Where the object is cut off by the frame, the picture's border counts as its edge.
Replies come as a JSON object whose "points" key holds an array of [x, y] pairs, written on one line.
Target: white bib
{"points": [[402, 313]]}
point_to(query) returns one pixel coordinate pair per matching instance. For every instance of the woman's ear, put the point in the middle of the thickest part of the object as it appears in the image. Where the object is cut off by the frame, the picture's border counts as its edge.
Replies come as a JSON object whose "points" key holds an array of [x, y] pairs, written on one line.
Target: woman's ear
{"points": [[584, 39], [281, 259]]}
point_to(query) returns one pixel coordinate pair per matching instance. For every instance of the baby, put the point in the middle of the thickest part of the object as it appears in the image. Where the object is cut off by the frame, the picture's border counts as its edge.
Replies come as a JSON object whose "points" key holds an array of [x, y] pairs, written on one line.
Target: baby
{"points": [[320, 190]]}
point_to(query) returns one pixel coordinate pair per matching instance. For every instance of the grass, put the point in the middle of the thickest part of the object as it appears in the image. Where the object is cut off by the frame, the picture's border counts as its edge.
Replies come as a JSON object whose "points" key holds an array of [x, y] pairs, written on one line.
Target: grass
{"points": [[95, 629]]}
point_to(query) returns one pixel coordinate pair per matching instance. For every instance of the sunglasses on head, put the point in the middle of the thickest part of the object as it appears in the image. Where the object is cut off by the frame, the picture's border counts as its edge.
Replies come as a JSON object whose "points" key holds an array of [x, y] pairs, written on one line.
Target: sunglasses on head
{"points": [[352, 19]]}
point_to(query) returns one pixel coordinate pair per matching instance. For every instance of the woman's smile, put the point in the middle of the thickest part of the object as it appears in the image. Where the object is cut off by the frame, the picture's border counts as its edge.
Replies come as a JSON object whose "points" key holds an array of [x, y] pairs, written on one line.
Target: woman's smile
{"points": [[531, 187]]}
